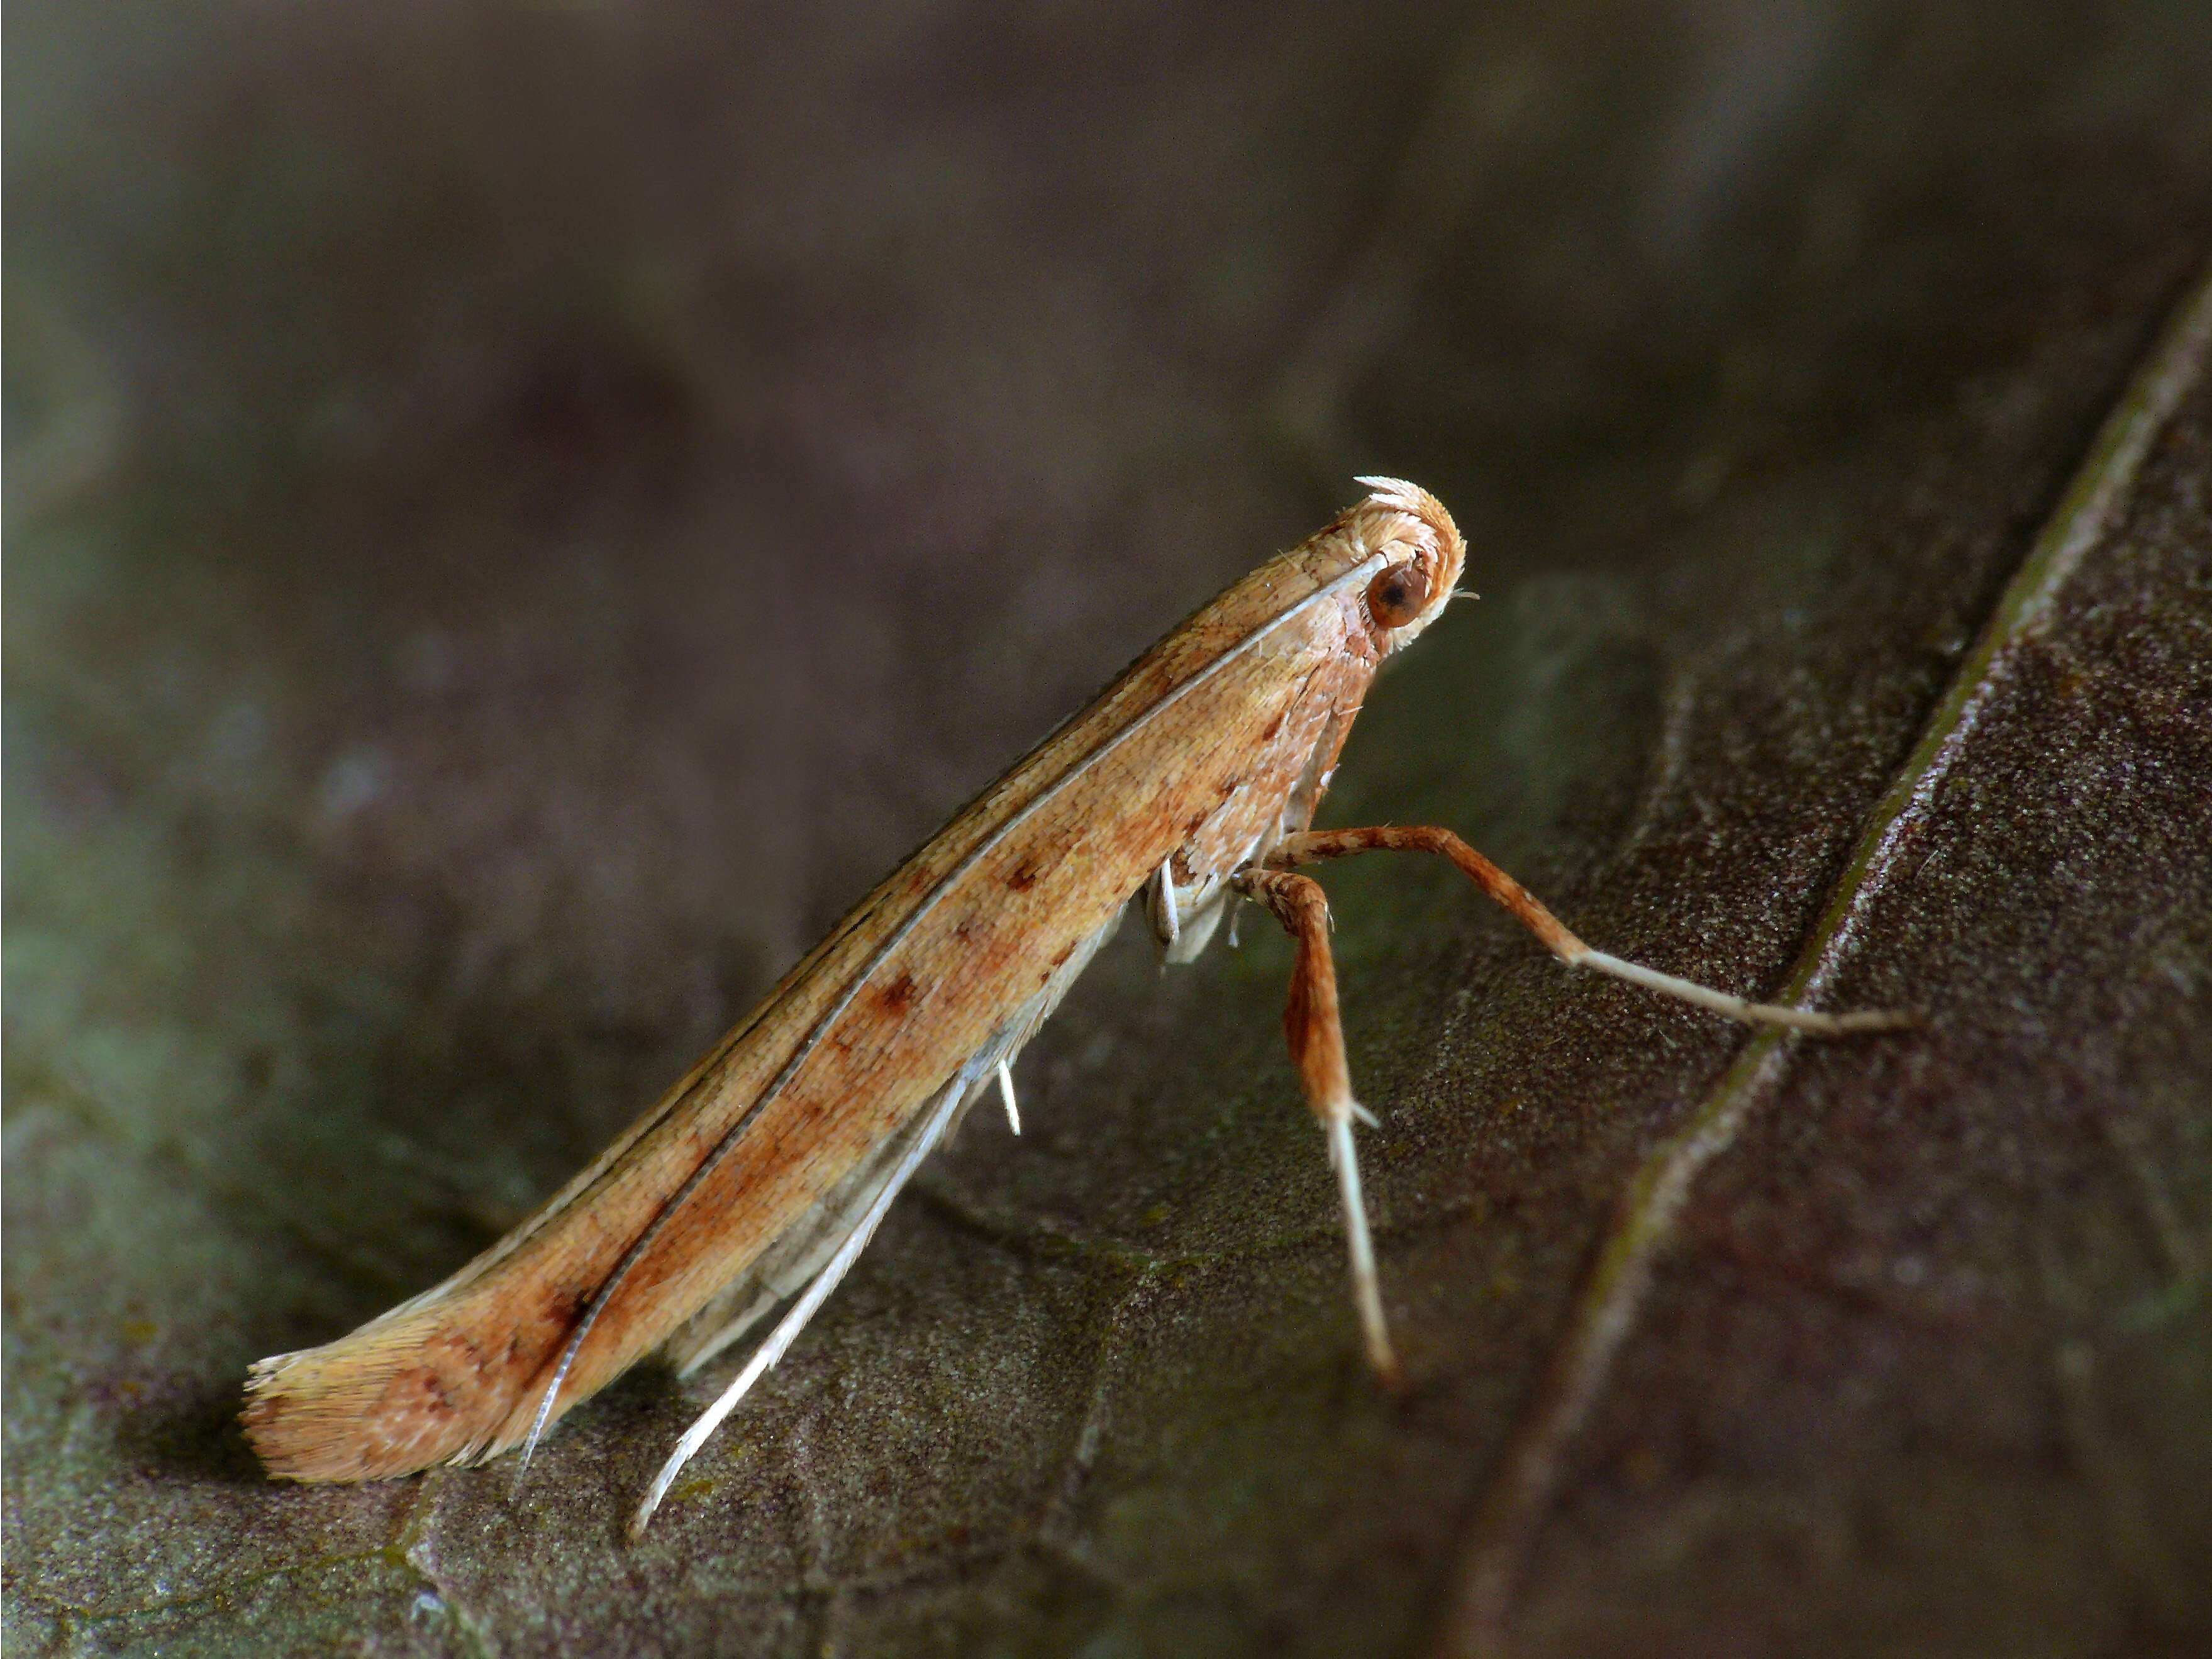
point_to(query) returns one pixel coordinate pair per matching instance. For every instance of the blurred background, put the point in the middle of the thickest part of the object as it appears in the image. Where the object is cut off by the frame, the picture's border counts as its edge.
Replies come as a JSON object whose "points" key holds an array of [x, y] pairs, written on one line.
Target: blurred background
{"points": [[516, 514]]}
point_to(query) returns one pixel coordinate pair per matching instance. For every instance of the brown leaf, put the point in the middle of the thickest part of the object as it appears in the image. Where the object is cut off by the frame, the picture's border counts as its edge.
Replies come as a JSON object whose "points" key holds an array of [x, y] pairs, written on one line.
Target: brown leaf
{"points": [[517, 517]]}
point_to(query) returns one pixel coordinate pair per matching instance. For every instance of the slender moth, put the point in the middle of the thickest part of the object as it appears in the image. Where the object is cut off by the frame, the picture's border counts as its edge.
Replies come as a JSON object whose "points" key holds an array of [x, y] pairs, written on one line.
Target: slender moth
{"points": [[1189, 783]]}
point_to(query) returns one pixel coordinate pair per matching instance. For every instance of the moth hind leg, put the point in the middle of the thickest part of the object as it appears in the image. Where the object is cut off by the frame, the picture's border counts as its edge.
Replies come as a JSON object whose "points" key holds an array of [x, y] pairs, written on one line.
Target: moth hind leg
{"points": [[1310, 847], [1315, 1030]]}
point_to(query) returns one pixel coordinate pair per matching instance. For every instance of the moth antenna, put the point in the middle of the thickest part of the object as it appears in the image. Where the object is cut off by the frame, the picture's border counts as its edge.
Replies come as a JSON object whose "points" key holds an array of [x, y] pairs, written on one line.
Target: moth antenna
{"points": [[788, 1328], [1007, 1094], [537, 1423], [576, 1343]]}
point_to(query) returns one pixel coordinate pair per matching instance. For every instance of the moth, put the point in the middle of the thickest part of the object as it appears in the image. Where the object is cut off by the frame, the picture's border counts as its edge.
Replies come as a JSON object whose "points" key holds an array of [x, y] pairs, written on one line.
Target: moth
{"points": [[1188, 784]]}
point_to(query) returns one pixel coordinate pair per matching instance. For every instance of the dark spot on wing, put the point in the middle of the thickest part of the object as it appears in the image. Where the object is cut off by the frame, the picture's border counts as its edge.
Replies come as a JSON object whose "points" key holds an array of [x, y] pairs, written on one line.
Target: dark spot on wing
{"points": [[562, 1308]]}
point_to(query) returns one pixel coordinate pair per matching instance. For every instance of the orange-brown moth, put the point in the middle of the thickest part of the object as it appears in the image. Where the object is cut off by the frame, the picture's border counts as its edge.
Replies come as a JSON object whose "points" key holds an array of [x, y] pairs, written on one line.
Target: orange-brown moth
{"points": [[1189, 781]]}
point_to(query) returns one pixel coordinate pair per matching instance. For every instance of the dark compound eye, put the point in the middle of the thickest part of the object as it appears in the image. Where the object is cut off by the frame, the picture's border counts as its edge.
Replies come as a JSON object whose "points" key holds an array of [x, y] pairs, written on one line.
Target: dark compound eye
{"points": [[1395, 597]]}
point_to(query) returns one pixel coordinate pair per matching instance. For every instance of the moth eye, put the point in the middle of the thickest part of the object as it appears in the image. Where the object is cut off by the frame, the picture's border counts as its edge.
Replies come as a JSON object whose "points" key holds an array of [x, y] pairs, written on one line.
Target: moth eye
{"points": [[1395, 597]]}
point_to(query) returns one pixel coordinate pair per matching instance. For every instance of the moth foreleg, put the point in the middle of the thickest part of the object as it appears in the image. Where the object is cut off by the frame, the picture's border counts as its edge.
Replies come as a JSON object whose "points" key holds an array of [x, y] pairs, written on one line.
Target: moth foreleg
{"points": [[1312, 846], [1311, 1023]]}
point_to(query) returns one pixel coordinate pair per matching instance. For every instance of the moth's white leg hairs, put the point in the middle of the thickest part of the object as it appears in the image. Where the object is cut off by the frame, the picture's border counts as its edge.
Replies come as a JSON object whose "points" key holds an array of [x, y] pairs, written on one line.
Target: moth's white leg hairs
{"points": [[1165, 921], [1359, 1245], [1007, 1094], [1311, 1022], [1752, 1013], [1314, 846]]}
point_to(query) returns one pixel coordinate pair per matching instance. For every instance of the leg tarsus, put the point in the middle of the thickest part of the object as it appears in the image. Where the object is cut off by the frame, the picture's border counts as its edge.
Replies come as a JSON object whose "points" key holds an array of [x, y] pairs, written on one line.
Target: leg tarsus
{"points": [[1359, 1245], [1312, 846], [1315, 1030], [1752, 1013]]}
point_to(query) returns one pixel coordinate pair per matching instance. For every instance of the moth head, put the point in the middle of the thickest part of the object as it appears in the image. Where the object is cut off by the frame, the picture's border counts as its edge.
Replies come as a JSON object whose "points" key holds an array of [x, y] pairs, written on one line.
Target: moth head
{"points": [[1422, 554]]}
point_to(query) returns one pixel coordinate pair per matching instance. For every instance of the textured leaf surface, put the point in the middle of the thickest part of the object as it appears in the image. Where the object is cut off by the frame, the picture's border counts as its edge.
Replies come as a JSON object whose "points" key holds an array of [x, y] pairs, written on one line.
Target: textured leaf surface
{"points": [[516, 518]]}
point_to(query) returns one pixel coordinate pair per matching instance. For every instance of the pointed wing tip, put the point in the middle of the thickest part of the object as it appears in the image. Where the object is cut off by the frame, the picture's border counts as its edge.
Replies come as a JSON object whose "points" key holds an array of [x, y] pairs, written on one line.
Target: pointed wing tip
{"points": [[356, 1411]]}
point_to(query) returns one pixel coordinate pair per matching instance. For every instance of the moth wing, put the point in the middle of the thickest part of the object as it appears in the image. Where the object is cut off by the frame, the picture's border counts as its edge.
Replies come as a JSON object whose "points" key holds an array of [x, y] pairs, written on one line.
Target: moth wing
{"points": [[1286, 789], [787, 1267], [805, 1248]]}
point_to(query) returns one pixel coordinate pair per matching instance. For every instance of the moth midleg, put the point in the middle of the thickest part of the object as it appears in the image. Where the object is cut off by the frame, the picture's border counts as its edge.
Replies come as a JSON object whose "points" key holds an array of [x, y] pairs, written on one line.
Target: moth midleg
{"points": [[1006, 1096], [1166, 917], [1316, 1031], [1312, 846]]}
